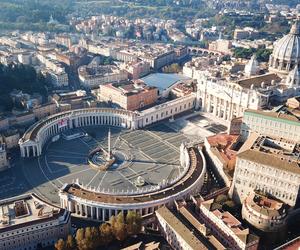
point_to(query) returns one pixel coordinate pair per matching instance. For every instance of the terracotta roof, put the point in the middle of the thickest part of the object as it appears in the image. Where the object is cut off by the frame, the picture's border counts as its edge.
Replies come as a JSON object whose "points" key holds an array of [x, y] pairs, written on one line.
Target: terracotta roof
{"points": [[223, 143], [265, 205]]}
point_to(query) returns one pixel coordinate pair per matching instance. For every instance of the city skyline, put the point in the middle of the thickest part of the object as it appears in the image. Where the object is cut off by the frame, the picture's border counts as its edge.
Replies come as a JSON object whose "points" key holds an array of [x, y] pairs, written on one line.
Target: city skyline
{"points": [[149, 124]]}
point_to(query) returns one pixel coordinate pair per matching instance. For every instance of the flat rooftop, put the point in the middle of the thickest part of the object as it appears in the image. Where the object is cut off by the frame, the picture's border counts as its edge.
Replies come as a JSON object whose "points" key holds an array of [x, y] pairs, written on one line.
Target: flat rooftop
{"points": [[267, 206], [25, 210], [276, 152]]}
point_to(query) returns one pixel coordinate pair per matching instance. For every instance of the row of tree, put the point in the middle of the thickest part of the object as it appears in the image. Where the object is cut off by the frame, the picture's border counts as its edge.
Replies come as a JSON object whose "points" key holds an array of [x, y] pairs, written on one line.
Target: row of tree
{"points": [[262, 55], [29, 11], [173, 68], [89, 238], [20, 77]]}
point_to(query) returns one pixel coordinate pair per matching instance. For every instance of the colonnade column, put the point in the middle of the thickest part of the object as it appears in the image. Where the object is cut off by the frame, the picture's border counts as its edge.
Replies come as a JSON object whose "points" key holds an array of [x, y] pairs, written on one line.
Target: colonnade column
{"points": [[226, 115], [86, 210], [92, 212], [97, 213], [26, 150], [103, 215], [22, 149], [220, 108]]}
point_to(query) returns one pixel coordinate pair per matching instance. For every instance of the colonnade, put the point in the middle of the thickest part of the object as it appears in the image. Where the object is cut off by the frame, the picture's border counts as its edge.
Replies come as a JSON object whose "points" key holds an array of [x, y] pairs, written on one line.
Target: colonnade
{"points": [[89, 204], [31, 150], [100, 213], [34, 139], [50, 129], [220, 108]]}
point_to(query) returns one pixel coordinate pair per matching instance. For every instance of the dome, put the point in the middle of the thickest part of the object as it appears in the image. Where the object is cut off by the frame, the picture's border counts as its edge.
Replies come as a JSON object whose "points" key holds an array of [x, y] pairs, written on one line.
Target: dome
{"points": [[286, 53], [293, 78]]}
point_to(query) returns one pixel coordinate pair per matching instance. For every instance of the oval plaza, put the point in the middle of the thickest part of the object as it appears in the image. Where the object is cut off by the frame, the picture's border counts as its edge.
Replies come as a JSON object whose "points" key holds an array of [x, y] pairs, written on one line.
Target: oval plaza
{"points": [[146, 164]]}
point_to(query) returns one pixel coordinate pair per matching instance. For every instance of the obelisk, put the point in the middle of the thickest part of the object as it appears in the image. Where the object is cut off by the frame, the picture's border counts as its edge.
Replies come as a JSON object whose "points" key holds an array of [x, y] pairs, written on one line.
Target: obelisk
{"points": [[108, 151]]}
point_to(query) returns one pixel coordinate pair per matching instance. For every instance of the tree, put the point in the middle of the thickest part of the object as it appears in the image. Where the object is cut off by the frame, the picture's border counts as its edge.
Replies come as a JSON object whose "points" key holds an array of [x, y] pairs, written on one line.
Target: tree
{"points": [[263, 55], [92, 237], [60, 245], [87, 241], [119, 227], [226, 58], [112, 221], [134, 223], [70, 243], [80, 234], [173, 68], [106, 233], [21, 77], [221, 199], [243, 53]]}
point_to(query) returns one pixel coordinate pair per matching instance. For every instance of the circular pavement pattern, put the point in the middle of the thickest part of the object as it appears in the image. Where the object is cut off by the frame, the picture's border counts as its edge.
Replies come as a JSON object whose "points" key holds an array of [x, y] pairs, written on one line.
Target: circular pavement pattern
{"points": [[152, 153]]}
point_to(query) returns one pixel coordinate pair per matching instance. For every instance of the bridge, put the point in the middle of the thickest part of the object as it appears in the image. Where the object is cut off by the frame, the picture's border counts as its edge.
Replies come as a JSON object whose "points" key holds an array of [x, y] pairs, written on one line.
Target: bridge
{"points": [[197, 51]]}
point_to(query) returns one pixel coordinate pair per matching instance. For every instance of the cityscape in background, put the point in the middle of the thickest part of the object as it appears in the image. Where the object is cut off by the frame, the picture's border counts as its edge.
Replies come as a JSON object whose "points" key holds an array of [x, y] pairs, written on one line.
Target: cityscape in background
{"points": [[149, 124]]}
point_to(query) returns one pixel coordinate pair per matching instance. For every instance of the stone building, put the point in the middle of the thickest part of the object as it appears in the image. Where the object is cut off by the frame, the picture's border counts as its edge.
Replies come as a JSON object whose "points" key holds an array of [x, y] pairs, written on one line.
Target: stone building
{"points": [[270, 165], [227, 95], [176, 233], [281, 122], [95, 74], [137, 69], [228, 229], [10, 138], [27, 222], [221, 151], [3, 158], [131, 96], [265, 213]]}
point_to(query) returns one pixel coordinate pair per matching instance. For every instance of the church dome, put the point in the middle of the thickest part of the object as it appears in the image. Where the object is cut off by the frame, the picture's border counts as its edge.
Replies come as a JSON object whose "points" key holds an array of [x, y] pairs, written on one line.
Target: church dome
{"points": [[286, 53]]}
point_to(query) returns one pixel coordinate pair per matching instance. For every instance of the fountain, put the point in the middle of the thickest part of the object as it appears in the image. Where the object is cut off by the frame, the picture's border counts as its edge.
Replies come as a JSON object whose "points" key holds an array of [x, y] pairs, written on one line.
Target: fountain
{"points": [[101, 159]]}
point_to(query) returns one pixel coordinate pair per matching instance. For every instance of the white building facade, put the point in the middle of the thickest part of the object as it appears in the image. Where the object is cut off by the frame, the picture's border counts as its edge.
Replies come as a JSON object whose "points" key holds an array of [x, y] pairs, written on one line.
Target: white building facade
{"points": [[260, 165], [271, 123], [28, 222], [35, 137], [226, 94]]}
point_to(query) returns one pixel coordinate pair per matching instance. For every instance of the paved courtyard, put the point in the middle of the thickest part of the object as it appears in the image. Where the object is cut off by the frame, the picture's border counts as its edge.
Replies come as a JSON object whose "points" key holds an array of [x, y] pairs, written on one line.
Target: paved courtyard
{"points": [[152, 153]]}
